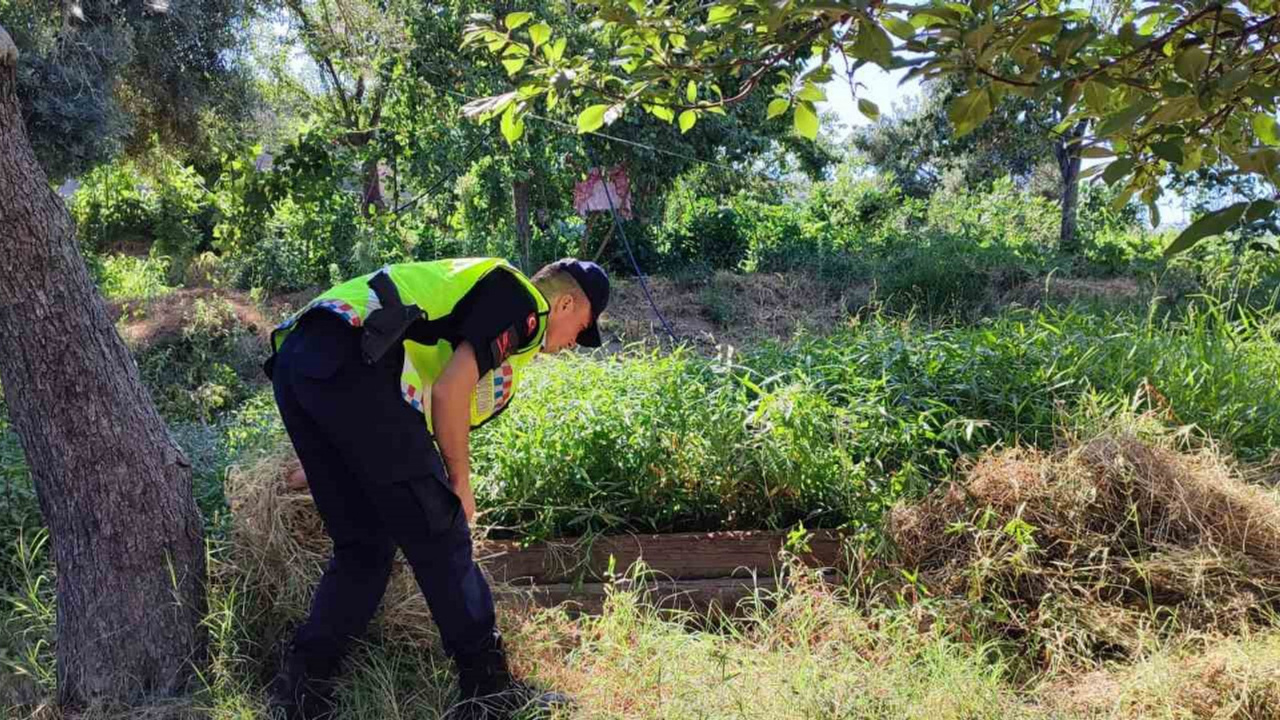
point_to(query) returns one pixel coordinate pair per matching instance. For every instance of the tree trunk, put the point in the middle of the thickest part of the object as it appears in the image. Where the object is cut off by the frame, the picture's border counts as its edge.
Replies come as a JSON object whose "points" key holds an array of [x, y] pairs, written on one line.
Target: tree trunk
{"points": [[372, 197], [1067, 151], [520, 203], [114, 488]]}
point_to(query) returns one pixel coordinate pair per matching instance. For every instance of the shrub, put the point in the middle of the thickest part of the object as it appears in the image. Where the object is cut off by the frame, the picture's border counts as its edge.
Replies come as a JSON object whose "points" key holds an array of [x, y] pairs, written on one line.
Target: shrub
{"points": [[166, 211], [111, 208], [125, 277], [202, 371], [700, 230]]}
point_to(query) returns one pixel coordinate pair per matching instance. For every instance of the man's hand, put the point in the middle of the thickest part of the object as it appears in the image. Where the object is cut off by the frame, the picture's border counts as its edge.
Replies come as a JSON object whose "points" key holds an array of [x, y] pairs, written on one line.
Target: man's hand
{"points": [[468, 500], [451, 420]]}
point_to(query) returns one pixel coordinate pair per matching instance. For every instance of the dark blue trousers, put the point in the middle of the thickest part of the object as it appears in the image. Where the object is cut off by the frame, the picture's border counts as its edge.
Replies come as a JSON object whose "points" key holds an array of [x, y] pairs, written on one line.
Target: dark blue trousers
{"points": [[379, 483]]}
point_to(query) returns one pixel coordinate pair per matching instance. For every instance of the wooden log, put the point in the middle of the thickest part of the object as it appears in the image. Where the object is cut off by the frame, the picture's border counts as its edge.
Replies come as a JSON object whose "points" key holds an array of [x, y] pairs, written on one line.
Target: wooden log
{"points": [[725, 594], [677, 556]]}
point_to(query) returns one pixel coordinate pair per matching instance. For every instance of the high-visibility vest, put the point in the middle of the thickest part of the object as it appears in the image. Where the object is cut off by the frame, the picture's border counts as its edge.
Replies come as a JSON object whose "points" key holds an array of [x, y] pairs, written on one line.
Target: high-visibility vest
{"points": [[436, 288]]}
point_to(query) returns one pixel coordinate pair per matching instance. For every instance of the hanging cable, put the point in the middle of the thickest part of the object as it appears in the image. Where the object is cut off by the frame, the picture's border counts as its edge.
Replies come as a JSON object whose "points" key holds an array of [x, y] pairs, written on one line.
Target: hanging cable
{"points": [[436, 185], [617, 226]]}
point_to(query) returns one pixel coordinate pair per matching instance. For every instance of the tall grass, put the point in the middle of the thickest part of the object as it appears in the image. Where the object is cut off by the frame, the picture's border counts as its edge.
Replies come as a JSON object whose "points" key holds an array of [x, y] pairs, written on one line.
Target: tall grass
{"points": [[831, 431], [126, 277]]}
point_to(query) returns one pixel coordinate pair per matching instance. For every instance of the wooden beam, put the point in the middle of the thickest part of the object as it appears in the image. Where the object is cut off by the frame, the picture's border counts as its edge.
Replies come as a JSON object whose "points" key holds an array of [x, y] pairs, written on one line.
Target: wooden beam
{"points": [[726, 594], [678, 556]]}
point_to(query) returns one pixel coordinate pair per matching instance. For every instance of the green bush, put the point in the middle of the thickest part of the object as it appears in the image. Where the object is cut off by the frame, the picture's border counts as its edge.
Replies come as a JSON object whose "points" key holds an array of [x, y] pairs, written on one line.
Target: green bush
{"points": [[110, 207], [204, 371], [125, 277], [702, 231], [287, 227], [998, 216], [182, 224], [166, 210]]}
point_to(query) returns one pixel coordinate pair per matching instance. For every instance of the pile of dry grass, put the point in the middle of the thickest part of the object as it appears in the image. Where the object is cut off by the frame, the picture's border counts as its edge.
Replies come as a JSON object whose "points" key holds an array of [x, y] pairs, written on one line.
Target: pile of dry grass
{"points": [[1092, 551], [1223, 678], [279, 548]]}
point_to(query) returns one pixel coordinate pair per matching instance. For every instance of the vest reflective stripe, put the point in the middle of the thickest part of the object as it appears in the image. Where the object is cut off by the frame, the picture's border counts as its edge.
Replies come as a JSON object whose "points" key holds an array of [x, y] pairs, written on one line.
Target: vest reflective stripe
{"points": [[436, 288]]}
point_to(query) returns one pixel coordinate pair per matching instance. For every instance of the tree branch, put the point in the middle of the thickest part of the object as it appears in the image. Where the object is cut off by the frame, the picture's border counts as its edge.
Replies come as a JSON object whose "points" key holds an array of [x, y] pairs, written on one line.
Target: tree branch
{"points": [[1153, 45], [1005, 80], [324, 60]]}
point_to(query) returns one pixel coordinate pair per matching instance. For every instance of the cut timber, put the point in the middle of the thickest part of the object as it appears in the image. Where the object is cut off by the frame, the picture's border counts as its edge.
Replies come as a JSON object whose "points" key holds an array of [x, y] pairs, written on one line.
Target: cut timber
{"points": [[726, 594], [679, 556]]}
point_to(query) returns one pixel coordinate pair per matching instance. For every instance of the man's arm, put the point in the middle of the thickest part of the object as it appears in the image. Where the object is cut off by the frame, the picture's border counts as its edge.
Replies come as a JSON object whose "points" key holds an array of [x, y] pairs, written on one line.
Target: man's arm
{"points": [[451, 420]]}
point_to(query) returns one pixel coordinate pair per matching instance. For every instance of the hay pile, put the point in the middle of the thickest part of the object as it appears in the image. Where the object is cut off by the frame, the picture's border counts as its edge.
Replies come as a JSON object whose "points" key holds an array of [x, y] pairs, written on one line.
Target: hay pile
{"points": [[280, 548], [1090, 552]]}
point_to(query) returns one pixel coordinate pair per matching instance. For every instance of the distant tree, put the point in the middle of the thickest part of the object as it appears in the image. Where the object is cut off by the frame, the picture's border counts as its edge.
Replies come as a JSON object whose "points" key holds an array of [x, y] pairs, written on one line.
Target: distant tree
{"points": [[101, 77], [919, 145]]}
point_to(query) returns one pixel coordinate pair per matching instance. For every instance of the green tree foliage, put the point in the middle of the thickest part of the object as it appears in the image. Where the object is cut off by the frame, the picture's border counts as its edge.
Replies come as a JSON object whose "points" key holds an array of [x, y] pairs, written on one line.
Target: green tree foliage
{"points": [[1154, 85], [97, 77], [920, 147]]}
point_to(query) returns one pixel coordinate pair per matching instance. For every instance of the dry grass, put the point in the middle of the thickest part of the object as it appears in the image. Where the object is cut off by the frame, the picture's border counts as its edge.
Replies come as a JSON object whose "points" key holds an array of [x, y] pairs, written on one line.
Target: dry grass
{"points": [[1223, 678], [1133, 577], [730, 308], [1099, 550]]}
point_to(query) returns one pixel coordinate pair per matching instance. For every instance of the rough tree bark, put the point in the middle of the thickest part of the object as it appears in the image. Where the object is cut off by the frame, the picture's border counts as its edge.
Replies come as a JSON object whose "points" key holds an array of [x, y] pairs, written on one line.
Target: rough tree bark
{"points": [[114, 488], [1067, 151], [520, 204]]}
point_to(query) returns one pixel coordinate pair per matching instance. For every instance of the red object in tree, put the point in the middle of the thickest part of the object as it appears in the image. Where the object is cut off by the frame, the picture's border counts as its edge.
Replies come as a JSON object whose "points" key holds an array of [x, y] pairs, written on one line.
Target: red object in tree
{"points": [[589, 195]]}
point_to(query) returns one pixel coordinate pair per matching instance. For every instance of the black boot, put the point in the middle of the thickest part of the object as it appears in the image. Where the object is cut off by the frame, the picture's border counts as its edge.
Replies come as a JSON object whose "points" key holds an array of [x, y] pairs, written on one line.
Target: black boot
{"points": [[487, 691], [302, 689]]}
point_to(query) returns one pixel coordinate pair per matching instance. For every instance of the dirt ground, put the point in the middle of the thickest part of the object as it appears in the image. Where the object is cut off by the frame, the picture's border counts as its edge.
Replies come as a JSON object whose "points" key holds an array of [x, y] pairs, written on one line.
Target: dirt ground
{"points": [[723, 309], [729, 309]]}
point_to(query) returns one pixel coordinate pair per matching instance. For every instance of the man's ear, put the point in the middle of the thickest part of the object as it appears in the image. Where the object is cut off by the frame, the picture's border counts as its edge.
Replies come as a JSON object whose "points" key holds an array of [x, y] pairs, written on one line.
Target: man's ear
{"points": [[564, 302]]}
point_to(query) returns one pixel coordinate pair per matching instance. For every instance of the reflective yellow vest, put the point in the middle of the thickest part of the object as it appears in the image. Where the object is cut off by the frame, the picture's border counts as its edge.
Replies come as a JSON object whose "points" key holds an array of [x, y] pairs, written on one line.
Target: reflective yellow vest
{"points": [[436, 288]]}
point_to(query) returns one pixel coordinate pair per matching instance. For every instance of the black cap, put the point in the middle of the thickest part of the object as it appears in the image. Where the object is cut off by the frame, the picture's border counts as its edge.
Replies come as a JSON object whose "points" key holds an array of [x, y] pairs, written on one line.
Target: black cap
{"points": [[594, 282]]}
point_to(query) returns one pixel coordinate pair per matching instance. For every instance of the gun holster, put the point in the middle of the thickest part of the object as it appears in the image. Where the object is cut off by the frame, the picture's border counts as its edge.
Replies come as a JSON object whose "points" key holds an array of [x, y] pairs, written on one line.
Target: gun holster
{"points": [[385, 326]]}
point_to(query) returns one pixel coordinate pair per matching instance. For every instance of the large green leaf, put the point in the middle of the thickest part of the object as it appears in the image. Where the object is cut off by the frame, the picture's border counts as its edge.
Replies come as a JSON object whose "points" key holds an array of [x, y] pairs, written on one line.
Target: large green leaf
{"points": [[812, 93], [512, 124], [540, 33], [872, 43], [868, 108], [1117, 170], [777, 106], [1169, 150], [1176, 110], [554, 51], [1037, 29], [662, 112], [1215, 223], [1265, 127], [720, 13], [969, 110], [513, 65], [1125, 119], [1191, 63], [516, 19], [592, 118], [899, 27], [1096, 96], [687, 119], [978, 37], [806, 120]]}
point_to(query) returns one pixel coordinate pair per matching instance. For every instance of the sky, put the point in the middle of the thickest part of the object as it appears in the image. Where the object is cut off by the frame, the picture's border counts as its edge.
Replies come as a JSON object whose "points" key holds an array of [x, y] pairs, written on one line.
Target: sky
{"points": [[882, 88]]}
